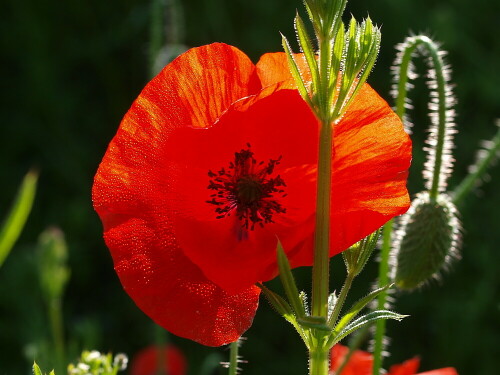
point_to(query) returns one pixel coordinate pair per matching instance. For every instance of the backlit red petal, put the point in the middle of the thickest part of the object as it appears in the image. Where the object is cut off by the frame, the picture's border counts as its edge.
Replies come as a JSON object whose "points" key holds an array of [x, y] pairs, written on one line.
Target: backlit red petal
{"points": [[273, 68], [131, 195], [279, 124], [372, 155]]}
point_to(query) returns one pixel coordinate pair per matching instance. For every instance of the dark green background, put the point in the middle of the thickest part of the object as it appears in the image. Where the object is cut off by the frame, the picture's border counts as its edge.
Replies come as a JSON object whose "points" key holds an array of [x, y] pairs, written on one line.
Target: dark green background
{"points": [[70, 69]]}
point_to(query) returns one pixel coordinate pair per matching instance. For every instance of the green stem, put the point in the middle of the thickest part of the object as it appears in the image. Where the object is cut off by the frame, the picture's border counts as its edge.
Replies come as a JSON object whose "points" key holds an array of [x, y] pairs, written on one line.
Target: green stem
{"points": [[383, 279], [441, 135], [321, 265], [319, 363], [56, 325], [341, 299], [233, 358], [161, 340], [471, 180], [156, 33], [438, 65]]}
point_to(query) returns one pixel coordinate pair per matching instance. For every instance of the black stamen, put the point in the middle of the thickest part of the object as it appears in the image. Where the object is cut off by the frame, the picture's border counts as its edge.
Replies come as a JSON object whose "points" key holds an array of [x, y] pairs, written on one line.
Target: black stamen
{"points": [[246, 189]]}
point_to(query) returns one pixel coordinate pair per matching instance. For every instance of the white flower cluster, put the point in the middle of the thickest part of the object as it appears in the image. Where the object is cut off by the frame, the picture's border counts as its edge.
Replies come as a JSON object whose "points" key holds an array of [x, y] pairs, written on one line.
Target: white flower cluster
{"points": [[96, 363]]}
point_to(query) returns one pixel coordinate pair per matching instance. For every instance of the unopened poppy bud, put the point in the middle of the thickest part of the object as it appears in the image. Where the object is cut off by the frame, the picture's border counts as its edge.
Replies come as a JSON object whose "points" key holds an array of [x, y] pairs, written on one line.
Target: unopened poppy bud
{"points": [[427, 240], [357, 255]]}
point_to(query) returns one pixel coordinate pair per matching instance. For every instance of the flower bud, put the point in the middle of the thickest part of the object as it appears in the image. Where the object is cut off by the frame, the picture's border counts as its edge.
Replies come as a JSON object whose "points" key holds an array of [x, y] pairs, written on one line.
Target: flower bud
{"points": [[427, 240]]}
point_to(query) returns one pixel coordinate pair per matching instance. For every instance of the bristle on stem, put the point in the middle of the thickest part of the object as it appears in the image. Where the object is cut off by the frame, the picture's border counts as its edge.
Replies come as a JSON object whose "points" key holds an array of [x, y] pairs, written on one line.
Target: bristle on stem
{"points": [[439, 164]]}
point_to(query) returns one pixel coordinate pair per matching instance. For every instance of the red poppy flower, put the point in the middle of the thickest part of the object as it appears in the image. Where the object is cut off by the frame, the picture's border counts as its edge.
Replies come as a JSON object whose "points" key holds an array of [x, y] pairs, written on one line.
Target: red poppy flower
{"points": [[361, 363], [214, 161], [155, 360]]}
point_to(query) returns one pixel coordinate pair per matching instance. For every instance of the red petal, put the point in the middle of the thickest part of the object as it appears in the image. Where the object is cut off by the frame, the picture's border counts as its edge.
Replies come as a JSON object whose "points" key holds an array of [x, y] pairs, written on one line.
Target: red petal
{"points": [[408, 367], [360, 363], [147, 361], [229, 255], [273, 68], [131, 192], [442, 371], [371, 159], [372, 154]]}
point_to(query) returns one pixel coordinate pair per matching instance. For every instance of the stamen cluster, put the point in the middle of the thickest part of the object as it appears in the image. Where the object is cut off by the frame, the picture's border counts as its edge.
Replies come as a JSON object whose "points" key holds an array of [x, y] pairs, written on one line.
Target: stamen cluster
{"points": [[246, 189]]}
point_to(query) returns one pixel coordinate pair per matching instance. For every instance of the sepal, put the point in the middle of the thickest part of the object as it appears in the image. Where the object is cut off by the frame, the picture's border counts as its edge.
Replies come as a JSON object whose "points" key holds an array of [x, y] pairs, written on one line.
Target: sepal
{"points": [[356, 257]]}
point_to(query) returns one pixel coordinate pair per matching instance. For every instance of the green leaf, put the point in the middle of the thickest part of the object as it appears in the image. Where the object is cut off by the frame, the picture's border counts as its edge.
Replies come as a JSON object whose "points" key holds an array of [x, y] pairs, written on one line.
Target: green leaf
{"points": [[357, 307], [308, 49], [364, 320], [356, 257], [371, 56], [289, 283], [36, 369], [278, 302], [315, 322], [294, 70], [18, 215], [335, 9]]}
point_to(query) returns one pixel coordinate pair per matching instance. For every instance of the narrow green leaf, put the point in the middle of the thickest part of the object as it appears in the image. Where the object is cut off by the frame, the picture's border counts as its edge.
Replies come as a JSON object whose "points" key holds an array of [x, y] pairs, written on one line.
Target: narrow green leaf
{"points": [[18, 215], [335, 9], [278, 302], [337, 71], [358, 306], [294, 70], [367, 67], [52, 373], [308, 49], [315, 322], [364, 320], [288, 282], [36, 369]]}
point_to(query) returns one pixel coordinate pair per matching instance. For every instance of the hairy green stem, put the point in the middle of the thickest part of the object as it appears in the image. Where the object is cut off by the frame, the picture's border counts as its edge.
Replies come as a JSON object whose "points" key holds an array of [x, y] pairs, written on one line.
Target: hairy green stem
{"points": [[439, 69], [341, 299], [383, 279], [319, 363], [233, 358], [471, 180], [321, 265], [156, 32]]}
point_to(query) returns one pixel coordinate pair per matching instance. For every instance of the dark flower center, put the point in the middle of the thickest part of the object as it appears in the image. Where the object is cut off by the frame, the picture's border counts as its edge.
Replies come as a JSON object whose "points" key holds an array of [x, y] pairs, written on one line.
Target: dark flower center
{"points": [[247, 189]]}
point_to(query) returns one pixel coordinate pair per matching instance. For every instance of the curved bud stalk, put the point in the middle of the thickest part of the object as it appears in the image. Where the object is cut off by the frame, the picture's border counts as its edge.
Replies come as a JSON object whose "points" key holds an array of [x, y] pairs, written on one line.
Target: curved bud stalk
{"points": [[439, 164]]}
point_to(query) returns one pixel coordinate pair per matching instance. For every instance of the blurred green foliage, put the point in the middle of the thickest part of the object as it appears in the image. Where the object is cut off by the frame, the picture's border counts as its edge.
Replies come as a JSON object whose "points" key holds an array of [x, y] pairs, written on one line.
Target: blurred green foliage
{"points": [[71, 70]]}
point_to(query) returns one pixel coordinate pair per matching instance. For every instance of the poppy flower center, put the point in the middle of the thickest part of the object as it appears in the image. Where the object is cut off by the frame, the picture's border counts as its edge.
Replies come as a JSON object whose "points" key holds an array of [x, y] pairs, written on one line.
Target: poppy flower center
{"points": [[247, 189]]}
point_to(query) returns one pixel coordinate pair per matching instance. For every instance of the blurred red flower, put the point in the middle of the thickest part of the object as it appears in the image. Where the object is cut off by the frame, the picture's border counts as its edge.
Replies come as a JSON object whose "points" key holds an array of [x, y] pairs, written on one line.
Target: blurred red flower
{"points": [[155, 360], [361, 363], [214, 161]]}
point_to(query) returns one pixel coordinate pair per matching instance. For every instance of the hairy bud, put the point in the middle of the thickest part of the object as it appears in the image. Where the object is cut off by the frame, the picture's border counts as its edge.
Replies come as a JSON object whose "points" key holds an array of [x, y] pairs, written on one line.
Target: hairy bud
{"points": [[427, 240]]}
